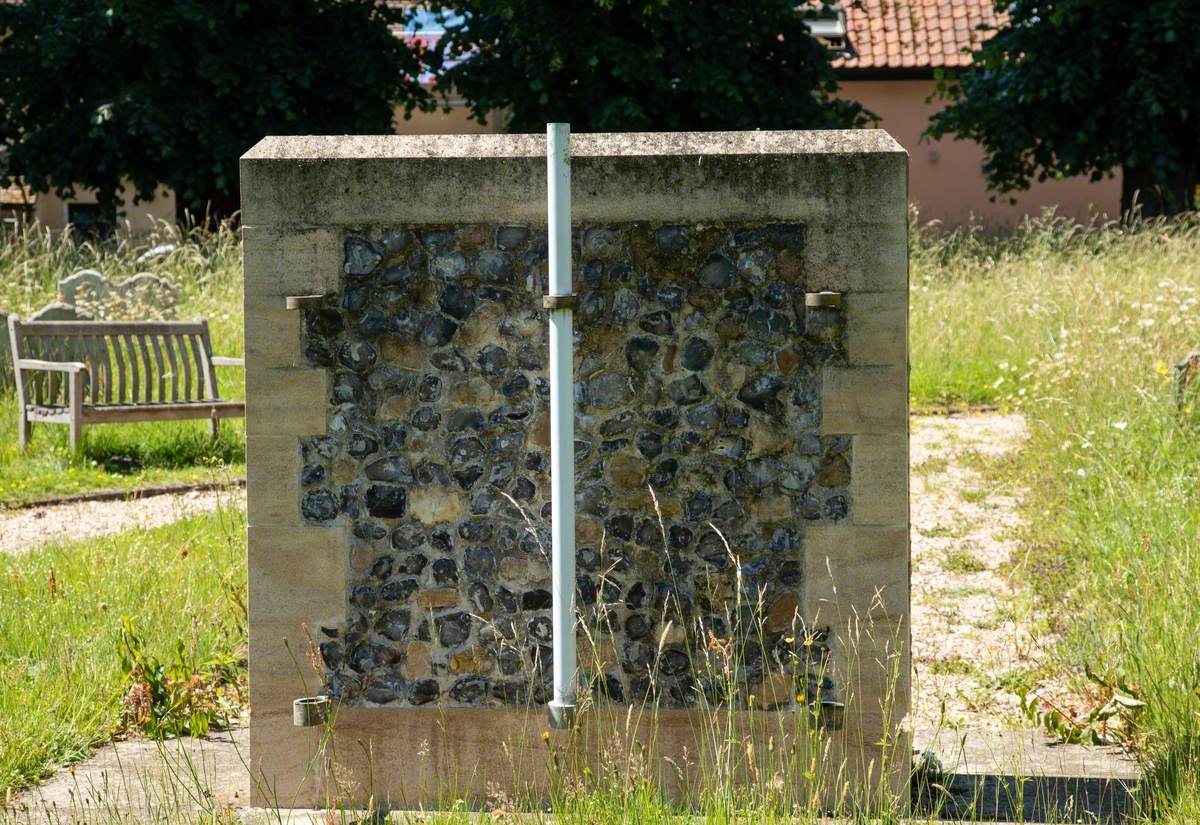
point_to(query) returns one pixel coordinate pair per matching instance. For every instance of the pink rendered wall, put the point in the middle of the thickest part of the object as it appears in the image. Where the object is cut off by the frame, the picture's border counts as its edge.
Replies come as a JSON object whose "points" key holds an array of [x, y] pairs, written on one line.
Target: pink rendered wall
{"points": [[946, 178]]}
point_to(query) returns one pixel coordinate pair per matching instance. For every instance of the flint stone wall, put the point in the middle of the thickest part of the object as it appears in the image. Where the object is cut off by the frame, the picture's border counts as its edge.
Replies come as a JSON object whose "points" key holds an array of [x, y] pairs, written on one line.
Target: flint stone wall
{"points": [[699, 376], [388, 430]]}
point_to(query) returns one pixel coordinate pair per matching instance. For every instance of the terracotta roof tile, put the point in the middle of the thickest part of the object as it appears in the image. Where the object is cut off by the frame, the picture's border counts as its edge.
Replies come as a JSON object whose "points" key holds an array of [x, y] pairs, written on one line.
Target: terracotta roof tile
{"points": [[16, 195], [894, 34]]}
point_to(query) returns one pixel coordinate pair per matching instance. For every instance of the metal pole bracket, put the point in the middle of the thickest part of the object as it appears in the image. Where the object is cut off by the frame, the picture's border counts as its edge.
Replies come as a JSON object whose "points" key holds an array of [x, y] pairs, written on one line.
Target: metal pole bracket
{"points": [[303, 301], [823, 300], [558, 302]]}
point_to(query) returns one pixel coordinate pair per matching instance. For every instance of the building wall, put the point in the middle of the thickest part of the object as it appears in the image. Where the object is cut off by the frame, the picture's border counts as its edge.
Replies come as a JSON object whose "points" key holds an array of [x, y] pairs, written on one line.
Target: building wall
{"points": [[946, 178], [457, 121], [51, 210]]}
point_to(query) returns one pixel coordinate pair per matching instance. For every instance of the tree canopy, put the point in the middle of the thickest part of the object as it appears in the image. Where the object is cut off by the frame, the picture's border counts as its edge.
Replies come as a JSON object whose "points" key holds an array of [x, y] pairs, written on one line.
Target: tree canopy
{"points": [[1073, 87], [635, 65], [96, 93]]}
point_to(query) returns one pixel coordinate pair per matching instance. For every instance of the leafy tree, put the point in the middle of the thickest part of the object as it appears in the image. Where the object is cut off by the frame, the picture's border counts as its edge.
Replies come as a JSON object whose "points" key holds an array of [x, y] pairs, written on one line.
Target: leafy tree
{"points": [[99, 92], [633, 65], [1074, 87]]}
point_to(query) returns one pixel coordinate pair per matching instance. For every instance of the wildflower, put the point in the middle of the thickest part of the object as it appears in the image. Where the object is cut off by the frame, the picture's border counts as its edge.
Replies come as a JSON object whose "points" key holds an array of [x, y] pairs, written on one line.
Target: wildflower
{"points": [[1120, 425]]}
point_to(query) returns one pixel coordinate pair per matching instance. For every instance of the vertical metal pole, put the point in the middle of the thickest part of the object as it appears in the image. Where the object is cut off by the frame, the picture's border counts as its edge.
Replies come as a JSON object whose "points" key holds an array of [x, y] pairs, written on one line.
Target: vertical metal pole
{"points": [[562, 422]]}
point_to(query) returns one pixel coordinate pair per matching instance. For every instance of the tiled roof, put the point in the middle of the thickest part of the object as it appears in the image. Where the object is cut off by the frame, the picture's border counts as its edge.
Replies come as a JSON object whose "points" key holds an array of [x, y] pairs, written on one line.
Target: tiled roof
{"points": [[916, 34], [16, 195]]}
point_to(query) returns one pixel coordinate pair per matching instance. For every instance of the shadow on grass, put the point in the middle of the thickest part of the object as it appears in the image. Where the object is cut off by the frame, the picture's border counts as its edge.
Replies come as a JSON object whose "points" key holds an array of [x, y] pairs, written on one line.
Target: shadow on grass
{"points": [[112, 456]]}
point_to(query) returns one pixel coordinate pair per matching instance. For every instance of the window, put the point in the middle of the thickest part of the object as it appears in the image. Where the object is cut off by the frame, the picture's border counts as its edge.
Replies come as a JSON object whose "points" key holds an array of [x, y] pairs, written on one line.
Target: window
{"points": [[84, 218]]}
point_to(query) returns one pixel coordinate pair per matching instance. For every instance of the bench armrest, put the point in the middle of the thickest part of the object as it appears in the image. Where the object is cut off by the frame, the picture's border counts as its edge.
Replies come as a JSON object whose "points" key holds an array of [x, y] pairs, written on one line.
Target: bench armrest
{"points": [[51, 366], [223, 361]]}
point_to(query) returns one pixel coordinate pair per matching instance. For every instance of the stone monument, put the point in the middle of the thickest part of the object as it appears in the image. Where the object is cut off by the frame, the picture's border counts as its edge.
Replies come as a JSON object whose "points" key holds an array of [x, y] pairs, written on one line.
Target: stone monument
{"points": [[741, 450]]}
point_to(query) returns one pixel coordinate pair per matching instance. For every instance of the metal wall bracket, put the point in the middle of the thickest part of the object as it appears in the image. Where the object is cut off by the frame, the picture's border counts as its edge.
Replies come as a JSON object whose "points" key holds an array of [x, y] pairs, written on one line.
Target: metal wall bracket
{"points": [[558, 302], [304, 301], [825, 300], [310, 711]]}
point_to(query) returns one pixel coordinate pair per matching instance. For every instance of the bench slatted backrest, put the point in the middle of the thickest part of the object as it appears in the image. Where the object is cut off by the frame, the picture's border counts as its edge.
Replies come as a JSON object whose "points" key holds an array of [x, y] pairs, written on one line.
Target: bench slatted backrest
{"points": [[129, 362]]}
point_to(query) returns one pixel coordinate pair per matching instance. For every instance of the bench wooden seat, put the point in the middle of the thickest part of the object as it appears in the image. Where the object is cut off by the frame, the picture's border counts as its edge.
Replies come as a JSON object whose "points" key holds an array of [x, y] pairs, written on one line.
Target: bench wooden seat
{"points": [[96, 372]]}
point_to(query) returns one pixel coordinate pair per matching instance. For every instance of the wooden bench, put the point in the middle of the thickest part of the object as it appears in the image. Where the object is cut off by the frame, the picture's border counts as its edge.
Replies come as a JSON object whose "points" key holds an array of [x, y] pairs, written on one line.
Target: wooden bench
{"points": [[95, 372]]}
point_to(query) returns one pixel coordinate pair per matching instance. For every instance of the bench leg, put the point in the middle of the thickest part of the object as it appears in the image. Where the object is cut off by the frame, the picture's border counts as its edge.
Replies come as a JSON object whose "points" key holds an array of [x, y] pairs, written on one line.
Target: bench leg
{"points": [[76, 401], [24, 429], [214, 427]]}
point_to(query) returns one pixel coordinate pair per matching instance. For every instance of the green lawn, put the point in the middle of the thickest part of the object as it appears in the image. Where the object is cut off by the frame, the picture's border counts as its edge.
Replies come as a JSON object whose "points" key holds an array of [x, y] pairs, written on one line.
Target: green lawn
{"points": [[61, 613], [115, 456], [206, 268], [1079, 328]]}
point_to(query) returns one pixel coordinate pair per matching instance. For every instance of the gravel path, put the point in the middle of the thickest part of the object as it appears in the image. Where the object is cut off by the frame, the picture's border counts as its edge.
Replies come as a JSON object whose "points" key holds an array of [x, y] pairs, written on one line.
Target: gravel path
{"points": [[971, 638], [23, 530]]}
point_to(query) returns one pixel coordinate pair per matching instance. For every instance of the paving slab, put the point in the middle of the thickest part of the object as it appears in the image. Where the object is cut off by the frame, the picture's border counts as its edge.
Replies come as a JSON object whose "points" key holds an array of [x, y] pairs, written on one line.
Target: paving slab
{"points": [[144, 781], [1021, 775]]}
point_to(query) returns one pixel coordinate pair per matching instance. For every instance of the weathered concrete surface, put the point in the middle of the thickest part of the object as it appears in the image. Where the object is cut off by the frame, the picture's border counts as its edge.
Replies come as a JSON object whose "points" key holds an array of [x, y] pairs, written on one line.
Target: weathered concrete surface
{"points": [[1022, 776], [145, 781]]}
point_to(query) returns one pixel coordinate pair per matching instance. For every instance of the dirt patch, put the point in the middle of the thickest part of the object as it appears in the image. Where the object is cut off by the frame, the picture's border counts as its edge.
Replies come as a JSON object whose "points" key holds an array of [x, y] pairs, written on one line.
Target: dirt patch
{"points": [[25, 530], [971, 633]]}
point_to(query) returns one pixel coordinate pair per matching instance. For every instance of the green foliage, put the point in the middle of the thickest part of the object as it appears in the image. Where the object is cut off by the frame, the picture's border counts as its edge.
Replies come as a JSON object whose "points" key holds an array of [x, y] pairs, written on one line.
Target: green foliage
{"points": [[1111, 720], [177, 696], [1083, 87], [98, 92], [62, 681], [640, 65]]}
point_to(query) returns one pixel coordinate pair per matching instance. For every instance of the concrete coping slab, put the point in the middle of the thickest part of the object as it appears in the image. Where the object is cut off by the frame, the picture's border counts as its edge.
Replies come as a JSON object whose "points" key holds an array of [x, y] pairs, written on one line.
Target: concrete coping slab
{"points": [[600, 144]]}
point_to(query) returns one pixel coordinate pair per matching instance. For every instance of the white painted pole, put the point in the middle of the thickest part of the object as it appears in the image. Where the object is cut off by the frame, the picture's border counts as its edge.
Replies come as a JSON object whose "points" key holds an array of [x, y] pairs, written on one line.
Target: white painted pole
{"points": [[562, 422]]}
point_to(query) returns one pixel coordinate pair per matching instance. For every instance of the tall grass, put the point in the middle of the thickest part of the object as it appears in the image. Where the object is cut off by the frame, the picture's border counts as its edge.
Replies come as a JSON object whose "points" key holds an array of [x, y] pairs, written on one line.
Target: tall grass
{"points": [[61, 614], [205, 266], [1079, 326], [1075, 325]]}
